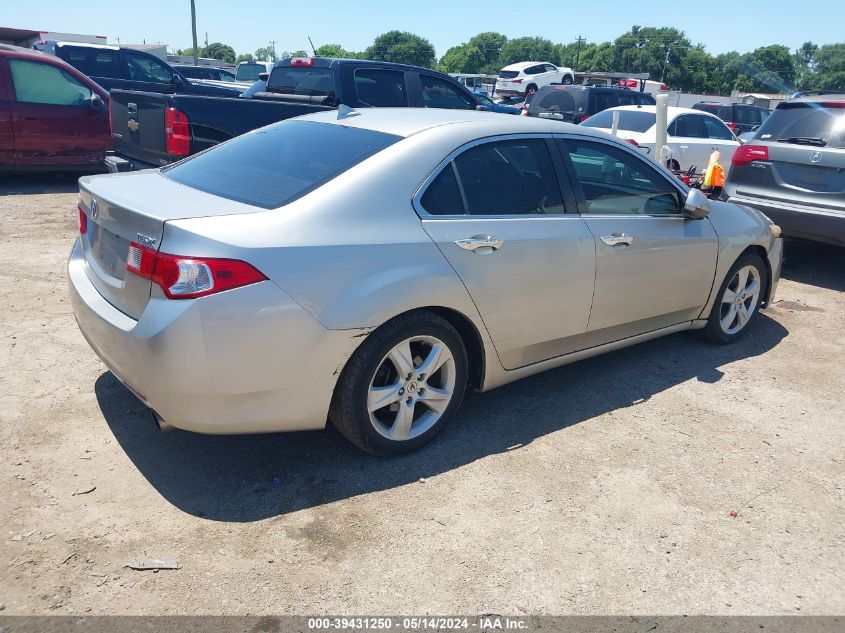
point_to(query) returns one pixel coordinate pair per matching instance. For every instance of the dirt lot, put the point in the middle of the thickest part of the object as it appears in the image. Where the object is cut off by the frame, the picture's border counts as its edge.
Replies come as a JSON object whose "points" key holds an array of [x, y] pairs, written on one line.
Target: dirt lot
{"points": [[602, 487]]}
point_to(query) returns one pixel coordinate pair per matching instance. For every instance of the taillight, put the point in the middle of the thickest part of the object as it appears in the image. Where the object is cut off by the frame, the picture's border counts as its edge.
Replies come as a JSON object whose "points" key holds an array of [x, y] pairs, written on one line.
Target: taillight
{"points": [[580, 118], [83, 221], [177, 137], [745, 154], [111, 127], [731, 125], [633, 142], [302, 61], [516, 81], [664, 87], [189, 277]]}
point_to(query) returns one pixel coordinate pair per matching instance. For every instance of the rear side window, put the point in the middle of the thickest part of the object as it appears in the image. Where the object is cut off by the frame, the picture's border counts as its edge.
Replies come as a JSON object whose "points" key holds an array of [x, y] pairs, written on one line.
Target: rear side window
{"points": [[302, 80], [629, 120], [443, 197], [606, 99], [278, 164], [688, 126], [514, 177], [812, 120], [36, 82], [379, 88]]}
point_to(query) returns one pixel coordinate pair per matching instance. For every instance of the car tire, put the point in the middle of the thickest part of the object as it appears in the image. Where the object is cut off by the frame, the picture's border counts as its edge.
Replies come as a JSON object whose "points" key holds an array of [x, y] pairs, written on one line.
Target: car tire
{"points": [[414, 409], [567, 80], [529, 90], [738, 300]]}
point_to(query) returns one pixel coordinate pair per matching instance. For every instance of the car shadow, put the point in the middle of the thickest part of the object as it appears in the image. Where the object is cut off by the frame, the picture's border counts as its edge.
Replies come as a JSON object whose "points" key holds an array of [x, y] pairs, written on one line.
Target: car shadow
{"points": [[814, 263], [39, 183], [252, 477]]}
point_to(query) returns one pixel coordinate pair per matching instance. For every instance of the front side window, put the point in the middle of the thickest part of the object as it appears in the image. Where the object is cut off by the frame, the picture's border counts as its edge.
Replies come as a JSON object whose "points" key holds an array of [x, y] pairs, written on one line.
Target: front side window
{"points": [[36, 82], [379, 88], [616, 182], [147, 68], [438, 93], [716, 129], [275, 165]]}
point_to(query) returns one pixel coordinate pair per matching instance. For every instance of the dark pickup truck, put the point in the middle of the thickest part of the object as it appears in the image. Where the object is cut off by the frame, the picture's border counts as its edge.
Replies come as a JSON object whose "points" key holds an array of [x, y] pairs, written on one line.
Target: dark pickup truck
{"points": [[152, 130]]}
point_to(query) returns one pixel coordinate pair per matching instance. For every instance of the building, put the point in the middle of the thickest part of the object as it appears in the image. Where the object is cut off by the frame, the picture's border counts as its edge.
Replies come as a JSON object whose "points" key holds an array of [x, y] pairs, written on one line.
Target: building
{"points": [[27, 37]]}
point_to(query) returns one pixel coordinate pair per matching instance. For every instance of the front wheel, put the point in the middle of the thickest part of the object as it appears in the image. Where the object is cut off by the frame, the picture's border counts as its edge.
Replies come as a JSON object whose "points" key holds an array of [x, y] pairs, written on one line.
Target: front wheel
{"points": [[402, 385], [567, 80], [738, 301]]}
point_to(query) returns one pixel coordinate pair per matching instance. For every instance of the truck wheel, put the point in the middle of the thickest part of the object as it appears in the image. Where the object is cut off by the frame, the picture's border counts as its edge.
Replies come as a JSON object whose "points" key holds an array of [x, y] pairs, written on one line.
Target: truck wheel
{"points": [[530, 90]]}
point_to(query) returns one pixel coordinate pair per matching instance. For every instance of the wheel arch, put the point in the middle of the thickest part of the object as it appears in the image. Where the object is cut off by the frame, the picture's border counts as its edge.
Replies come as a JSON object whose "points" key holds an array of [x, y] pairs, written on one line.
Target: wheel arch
{"points": [[761, 252]]}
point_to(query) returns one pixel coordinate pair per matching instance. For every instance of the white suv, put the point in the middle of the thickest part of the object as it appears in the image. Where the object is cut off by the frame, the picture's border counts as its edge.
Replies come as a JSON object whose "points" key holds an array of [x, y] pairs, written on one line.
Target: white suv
{"points": [[525, 78]]}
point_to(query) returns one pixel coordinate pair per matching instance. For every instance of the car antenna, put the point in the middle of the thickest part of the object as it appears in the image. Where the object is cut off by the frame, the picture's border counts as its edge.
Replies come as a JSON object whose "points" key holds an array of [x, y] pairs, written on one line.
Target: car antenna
{"points": [[312, 45], [344, 112]]}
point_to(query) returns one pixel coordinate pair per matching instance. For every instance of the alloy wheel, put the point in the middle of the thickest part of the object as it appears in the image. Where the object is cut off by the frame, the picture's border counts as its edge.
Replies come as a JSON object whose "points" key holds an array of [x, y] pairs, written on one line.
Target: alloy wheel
{"points": [[412, 388], [740, 299]]}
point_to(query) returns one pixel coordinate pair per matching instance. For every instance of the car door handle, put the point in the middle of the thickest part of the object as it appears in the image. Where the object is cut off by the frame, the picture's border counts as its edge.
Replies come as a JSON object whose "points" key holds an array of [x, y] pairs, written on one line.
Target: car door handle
{"points": [[480, 241], [617, 238]]}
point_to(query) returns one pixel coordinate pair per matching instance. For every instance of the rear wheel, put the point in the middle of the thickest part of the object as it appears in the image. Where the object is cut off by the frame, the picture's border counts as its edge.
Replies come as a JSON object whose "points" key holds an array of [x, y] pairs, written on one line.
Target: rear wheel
{"points": [[567, 80], [738, 301], [402, 386]]}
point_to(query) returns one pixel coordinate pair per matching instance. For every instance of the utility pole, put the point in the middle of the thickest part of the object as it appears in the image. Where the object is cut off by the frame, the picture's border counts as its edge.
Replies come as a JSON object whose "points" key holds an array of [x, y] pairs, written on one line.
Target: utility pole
{"points": [[665, 61], [206, 39], [194, 32], [273, 50], [578, 53]]}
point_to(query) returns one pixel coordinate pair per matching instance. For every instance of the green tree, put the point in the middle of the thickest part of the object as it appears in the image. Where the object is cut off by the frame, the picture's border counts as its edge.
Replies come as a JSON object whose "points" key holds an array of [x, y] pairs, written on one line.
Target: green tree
{"points": [[216, 50], [830, 67], [525, 49], [265, 54], [403, 48], [768, 69], [465, 58], [331, 50], [244, 57], [489, 45]]}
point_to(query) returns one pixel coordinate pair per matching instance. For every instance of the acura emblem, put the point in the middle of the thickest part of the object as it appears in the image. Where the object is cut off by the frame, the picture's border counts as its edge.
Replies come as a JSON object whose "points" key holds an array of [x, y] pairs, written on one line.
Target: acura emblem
{"points": [[816, 158], [95, 210]]}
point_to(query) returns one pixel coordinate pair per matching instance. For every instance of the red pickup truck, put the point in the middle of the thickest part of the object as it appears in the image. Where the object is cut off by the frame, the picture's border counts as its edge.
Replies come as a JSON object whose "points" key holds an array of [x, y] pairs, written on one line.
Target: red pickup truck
{"points": [[51, 115]]}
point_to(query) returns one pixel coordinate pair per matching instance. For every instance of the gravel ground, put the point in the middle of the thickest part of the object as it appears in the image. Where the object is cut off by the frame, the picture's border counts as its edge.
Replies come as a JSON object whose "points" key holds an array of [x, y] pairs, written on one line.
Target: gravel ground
{"points": [[604, 487]]}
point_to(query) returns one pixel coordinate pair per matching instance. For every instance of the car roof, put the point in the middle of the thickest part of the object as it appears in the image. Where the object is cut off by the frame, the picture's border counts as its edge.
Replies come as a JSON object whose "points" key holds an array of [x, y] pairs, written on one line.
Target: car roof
{"points": [[673, 111], [522, 65], [110, 47], [18, 51], [409, 121]]}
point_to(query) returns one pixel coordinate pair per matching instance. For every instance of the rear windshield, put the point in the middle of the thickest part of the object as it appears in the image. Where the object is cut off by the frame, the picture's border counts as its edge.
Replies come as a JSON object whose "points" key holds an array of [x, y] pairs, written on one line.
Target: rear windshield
{"points": [[556, 100], [809, 120], [275, 165], [508, 74], [302, 80], [249, 72], [629, 120]]}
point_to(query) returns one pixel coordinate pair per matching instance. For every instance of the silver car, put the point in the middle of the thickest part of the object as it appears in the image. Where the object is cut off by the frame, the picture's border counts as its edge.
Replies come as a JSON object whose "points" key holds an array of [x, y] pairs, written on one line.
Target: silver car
{"points": [[367, 267]]}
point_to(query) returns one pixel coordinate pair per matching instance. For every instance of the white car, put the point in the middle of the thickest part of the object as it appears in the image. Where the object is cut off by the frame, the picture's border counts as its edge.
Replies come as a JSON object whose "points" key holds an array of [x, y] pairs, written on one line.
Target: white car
{"points": [[692, 135], [526, 78]]}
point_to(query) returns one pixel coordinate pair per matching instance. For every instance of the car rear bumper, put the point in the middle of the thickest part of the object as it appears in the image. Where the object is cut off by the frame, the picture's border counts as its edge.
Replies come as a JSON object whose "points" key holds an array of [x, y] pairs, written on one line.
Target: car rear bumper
{"points": [[248, 360], [812, 223], [116, 163]]}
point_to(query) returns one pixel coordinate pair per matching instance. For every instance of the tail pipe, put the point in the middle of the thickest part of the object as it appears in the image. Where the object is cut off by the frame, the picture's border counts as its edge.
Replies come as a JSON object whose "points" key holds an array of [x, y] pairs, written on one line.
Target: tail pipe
{"points": [[162, 425]]}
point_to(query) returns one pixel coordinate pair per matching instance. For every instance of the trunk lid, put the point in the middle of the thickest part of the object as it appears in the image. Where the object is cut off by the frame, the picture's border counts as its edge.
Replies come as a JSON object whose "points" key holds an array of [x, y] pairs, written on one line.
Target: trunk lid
{"points": [[137, 121], [801, 174], [133, 207]]}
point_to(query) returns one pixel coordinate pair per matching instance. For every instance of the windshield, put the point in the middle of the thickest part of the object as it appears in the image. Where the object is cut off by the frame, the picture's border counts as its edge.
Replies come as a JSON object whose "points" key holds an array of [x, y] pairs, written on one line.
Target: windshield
{"points": [[823, 120], [629, 120], [302, 80], [275, 165], [249, 72]]}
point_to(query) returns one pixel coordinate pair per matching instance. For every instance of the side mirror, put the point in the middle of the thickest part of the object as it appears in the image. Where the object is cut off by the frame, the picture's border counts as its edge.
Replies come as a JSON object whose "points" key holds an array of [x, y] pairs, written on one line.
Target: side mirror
{"points": [[176, 80], [697, 206], [481, 108], [264, 76], [97, 102]]}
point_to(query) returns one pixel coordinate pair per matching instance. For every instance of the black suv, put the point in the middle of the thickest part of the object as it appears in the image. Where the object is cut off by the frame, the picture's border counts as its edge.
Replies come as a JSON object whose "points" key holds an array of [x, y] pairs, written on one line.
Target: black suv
{"points": [[128, 69], [793, 169], [740, 117], [574, 104]]}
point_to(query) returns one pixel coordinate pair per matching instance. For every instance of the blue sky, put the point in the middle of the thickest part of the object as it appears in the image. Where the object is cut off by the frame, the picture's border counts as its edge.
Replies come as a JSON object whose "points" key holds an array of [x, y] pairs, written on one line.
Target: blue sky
{"points": [[736, 24]]}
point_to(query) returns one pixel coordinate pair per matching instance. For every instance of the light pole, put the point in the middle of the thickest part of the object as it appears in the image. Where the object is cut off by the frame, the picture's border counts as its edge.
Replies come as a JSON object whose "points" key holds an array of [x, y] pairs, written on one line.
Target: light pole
{"points": [[194, 32]]}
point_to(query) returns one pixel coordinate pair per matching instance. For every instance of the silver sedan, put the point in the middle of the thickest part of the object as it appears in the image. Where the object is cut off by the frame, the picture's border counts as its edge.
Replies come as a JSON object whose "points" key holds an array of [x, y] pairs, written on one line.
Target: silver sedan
{"points": [[369, 267]]}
